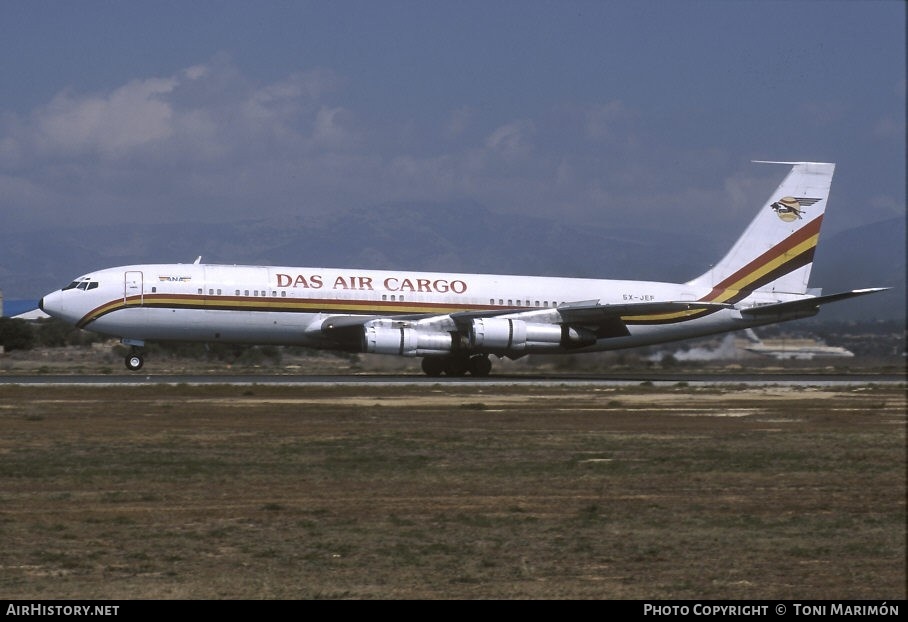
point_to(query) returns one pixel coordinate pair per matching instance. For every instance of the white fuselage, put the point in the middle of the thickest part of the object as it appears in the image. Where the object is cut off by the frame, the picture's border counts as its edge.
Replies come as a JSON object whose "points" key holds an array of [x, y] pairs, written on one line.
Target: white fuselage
{"points": [[288, 305]]}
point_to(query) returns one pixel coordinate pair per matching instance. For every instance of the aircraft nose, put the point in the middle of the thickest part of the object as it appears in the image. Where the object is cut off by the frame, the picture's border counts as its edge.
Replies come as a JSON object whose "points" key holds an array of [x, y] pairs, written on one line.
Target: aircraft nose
{"points": [[52, 304]]}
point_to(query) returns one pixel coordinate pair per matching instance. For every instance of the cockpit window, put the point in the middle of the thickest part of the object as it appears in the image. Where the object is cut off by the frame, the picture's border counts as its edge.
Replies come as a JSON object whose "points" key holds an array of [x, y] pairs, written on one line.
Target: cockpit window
{"points": [[83, 284]]}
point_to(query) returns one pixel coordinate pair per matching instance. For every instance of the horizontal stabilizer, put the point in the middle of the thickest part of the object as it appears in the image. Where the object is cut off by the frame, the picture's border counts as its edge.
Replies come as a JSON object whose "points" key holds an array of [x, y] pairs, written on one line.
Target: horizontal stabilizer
{"points": [[806, 306]]}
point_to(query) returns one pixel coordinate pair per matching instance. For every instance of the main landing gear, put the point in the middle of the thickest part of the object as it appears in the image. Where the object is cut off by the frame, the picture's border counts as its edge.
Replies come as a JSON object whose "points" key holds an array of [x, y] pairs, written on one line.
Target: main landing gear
{"points": [[477, 365]]}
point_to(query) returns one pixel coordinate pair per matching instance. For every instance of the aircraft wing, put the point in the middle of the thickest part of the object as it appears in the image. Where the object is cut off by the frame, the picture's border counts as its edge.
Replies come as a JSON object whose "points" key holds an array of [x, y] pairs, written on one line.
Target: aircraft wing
{"points": [[610, 320], [591, 312], [603, 320]]}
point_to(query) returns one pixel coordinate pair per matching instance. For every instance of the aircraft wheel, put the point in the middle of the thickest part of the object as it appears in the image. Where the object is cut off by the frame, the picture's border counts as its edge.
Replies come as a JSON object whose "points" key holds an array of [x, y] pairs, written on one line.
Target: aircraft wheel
{"points": [[480, 366], [134, 362], [457, 366], [433, 366]]}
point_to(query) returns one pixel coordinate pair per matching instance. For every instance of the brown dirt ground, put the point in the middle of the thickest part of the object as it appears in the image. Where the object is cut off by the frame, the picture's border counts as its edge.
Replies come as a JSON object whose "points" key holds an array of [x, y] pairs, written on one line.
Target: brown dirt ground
{"points": [[446, 492]]}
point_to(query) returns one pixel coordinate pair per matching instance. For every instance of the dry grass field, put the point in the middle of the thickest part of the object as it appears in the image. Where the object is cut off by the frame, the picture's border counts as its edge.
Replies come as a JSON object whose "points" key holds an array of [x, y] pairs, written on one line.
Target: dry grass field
{"points": [[447, 492]]}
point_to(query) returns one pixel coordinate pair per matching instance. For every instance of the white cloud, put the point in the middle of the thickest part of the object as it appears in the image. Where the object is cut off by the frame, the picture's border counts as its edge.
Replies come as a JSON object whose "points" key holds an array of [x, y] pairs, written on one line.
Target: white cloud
{"points": [[129, 117], [200, 113], [285, 99], [333, 128], [209, 143], [512, 140], [195, 72], [203, 143], [603, 121]]}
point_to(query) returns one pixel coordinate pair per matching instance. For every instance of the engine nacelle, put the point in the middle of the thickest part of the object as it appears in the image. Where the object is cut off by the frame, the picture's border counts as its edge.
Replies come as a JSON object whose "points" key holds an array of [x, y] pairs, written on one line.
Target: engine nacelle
{"points": [[404, 341], [507, 335]]}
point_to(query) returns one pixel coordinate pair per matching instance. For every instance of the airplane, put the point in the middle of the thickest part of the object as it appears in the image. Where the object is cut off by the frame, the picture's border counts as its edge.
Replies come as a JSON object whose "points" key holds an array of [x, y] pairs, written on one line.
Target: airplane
{"points": [[456, 322], [800, 349]]}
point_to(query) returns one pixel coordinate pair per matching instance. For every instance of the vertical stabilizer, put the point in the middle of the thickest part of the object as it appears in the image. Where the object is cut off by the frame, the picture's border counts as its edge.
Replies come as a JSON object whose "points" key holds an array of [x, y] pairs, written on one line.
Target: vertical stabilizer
{"points": [[775, 253]]}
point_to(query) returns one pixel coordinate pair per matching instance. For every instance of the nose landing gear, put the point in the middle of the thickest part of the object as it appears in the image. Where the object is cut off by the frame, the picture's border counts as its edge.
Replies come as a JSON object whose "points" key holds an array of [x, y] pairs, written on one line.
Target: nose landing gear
{"points": [[134, 360]]}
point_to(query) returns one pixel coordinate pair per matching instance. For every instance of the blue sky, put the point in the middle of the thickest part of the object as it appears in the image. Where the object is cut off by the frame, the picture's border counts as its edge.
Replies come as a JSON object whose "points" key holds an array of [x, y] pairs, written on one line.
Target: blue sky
{"points": [[642, 114]]}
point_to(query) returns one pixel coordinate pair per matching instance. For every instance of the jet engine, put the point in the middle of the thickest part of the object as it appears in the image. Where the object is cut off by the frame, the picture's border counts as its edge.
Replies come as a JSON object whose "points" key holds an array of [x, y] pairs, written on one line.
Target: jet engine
{"points": [[405, 341], [508, 335]]}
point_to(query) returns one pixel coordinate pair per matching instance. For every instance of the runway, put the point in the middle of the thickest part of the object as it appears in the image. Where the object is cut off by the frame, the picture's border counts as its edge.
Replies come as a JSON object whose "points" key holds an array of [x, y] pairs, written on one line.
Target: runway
{"points": [[626, 379]]}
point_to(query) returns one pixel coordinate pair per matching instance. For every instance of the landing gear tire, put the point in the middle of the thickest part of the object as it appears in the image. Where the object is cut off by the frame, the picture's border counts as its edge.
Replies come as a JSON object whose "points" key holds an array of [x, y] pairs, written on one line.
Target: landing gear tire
{"points": [[457, 366], [433, 366], [134, 362], [480, 366]]}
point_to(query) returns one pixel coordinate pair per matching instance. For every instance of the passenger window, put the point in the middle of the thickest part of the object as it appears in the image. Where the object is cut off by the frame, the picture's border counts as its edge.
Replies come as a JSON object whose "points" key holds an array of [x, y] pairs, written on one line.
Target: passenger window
{"points": [[247, 292]]}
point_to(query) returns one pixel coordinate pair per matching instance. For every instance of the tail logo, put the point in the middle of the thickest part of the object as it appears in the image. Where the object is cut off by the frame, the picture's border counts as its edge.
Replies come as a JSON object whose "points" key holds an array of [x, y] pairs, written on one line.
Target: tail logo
{"points": [[789, 209]]}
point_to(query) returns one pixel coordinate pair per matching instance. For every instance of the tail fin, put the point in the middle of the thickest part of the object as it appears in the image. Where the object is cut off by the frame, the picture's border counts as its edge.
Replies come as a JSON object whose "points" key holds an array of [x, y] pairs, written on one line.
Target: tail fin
{"points": [[775, 253]]}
